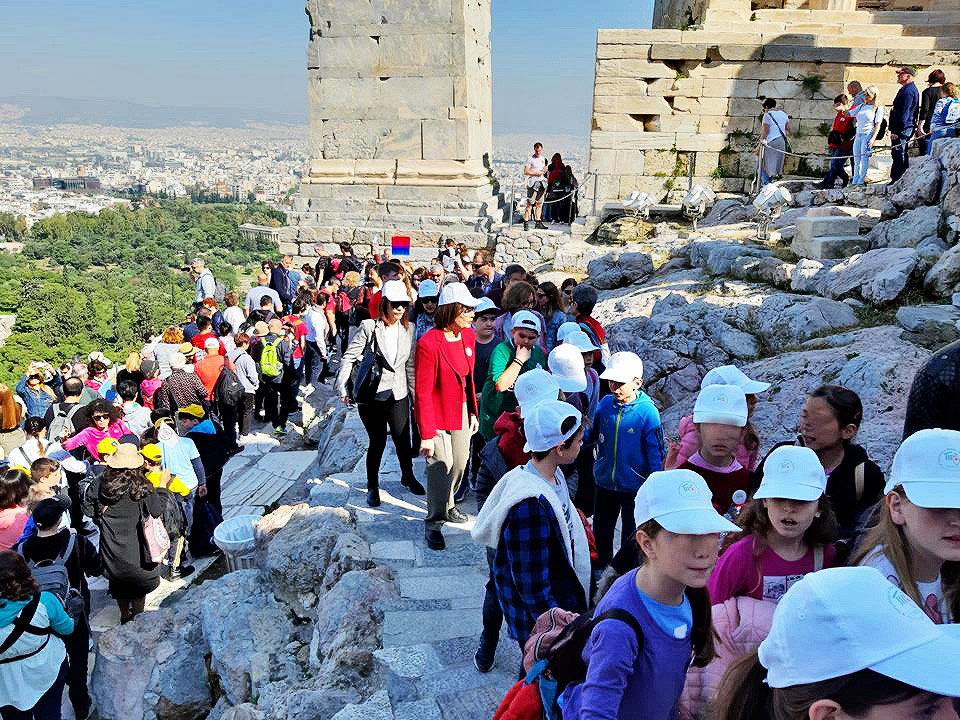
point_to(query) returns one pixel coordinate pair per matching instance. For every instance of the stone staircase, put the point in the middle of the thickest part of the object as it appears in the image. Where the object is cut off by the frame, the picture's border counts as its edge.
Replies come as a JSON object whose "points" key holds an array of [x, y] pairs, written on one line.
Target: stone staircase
{"points": [[825, 236]]}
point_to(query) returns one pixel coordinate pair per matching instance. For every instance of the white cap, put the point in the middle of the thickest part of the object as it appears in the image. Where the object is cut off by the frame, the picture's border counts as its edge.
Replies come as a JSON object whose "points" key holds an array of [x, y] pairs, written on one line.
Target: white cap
{"points": [[526, 320], [457, 293], [178, 361], [680, 501], [579, 339], [542, 424], [566, 363], [732, 375], [395, 291], [839, 621], [485, 305], [623, 367], [792, 472], [565, 329], [97, 355], [927, 465], [722, 404], [211, 343], [428, 289], [533, 387]]}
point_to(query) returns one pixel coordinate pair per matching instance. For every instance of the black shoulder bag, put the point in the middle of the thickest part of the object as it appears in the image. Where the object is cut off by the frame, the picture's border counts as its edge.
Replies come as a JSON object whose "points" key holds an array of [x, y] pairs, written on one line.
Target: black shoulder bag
{"points": [[365, 379]]}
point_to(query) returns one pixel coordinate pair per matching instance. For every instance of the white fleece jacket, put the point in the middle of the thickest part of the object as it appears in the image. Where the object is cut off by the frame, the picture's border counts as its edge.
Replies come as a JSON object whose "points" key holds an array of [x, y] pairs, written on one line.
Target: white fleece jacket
{"points": [[516, 486]]}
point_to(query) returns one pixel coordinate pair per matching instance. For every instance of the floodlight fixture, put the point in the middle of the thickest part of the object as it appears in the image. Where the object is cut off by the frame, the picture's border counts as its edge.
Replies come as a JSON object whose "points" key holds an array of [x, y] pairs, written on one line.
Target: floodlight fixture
{"points": [[638, 204], [696, 203], [770, 202]]}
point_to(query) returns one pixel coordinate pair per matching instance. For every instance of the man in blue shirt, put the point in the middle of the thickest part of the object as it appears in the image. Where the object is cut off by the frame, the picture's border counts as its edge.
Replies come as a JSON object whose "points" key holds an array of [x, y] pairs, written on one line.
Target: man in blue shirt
{"points": [[903, 121]]}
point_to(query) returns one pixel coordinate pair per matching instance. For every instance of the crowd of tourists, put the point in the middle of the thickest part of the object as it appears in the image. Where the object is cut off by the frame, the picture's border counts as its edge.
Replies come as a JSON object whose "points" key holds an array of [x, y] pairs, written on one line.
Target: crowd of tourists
{"points": [[915, 120], [640, 576]]}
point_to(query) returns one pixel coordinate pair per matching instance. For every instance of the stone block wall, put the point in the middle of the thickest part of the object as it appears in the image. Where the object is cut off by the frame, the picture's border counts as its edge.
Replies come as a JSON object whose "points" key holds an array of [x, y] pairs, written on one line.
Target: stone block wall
{"points": [[530, 249], [667, 99]]}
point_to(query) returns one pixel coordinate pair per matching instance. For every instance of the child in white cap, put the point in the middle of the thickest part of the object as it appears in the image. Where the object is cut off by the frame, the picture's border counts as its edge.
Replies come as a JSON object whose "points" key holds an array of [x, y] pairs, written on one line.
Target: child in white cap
{"points": [[501, 454], [541, 559], [720, 415], [629, 678], [689, 441], [788, 531], [844, 644], [484, 324], [587, 402], [916, 541], [629, 440]]}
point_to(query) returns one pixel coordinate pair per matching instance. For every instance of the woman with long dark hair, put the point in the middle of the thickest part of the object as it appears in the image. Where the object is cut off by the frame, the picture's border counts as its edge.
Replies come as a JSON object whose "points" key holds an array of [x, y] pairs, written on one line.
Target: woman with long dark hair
{"points": [[14, 487], [446, 406], [550, 306], [107, 422], [383, 344], [33, 657]]}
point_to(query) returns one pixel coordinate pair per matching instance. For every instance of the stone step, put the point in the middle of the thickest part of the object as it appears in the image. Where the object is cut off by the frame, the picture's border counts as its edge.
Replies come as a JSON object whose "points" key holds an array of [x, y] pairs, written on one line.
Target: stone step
{"points": [[830, 246], [812, 226]]}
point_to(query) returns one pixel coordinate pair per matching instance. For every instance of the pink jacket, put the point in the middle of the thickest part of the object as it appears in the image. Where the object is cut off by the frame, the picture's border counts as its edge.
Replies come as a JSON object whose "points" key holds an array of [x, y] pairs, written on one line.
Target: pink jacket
{"points": [[741, 624], [690, 443]]}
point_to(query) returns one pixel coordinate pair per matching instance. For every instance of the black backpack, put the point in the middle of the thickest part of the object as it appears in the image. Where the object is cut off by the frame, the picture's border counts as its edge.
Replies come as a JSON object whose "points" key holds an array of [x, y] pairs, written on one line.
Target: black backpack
{"points": [[52, 577], [227, 390]]}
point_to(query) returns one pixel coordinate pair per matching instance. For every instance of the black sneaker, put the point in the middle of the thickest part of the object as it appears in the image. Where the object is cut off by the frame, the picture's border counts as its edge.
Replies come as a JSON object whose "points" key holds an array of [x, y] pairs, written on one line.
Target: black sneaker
{"points": [[373, 497], [434, 539], [526, 225], [540, 226], [483, 660], [413, 485], [455, 515]]}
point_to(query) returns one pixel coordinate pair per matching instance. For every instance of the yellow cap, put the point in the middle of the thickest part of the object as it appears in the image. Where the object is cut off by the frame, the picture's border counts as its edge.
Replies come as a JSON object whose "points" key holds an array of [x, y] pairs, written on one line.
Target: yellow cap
{"points": [[152, 452], [193, 410], [107, 446]]}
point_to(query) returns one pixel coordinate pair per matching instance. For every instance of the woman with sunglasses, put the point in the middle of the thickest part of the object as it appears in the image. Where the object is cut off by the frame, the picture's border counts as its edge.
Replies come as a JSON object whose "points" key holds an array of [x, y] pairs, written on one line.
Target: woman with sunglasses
{"points": [[388, 338], [566, 294], [107, 422]]}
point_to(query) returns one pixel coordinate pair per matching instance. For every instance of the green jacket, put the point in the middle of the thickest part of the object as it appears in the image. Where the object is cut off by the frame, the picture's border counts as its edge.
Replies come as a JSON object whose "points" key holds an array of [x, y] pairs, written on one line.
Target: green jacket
{"points": [[493, 403]]}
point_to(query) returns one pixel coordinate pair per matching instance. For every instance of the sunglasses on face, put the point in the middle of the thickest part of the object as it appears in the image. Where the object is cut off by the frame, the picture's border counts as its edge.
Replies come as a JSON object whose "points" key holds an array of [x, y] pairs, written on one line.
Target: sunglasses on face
{"points": [[429, 300], [477, 266], [101, 417], [541, 295], [400, 305]]}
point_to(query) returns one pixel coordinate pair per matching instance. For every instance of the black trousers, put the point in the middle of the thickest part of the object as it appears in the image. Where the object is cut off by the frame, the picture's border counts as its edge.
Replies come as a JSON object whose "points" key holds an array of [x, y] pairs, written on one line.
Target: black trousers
{"points": [[611, 503], [228, 417], [585, 497], [377, 417], [246, 413], [492, 613], [78, 648], [901, 156], [273, 408]]}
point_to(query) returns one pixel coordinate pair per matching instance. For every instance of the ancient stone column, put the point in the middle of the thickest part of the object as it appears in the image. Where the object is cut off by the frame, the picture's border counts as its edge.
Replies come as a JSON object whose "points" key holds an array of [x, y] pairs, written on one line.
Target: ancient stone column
{"points": [[400, 122]]}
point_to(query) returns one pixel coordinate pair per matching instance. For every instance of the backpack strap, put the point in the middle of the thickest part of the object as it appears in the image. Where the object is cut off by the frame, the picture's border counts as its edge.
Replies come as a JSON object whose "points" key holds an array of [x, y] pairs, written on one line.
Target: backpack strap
{"points": [[22, 625], [624, 617], [68, 550], [817, 558], [858, 480]]}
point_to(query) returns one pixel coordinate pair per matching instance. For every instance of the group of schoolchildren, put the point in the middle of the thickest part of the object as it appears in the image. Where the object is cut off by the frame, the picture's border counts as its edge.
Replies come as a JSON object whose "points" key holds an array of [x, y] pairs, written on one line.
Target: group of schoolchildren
{"points": [[802, 586]]}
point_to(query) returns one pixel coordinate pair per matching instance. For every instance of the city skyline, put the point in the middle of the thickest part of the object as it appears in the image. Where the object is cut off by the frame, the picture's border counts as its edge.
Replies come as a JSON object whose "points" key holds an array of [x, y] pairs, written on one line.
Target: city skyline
{"points": [[243, 55]]}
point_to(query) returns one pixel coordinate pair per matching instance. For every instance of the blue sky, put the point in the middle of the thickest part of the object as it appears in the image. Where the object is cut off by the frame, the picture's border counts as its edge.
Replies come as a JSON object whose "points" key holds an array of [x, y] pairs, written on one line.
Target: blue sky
{"points": [[251, 54]]}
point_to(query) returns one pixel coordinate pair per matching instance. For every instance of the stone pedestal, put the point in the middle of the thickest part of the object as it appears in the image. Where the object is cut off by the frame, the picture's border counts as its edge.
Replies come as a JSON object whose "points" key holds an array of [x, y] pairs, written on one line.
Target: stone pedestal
{"points": [[400, 122]]}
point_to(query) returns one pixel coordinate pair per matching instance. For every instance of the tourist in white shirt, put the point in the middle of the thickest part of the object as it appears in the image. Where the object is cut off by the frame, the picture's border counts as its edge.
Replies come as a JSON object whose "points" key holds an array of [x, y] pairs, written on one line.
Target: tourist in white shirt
{"points": [[773, 134], [869, 117], [535, 171]]}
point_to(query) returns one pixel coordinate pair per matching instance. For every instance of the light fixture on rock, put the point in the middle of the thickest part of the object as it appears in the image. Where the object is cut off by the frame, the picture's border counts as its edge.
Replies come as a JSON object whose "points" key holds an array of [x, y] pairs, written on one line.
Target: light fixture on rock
{"points": [[696, 203], [770, 202]]}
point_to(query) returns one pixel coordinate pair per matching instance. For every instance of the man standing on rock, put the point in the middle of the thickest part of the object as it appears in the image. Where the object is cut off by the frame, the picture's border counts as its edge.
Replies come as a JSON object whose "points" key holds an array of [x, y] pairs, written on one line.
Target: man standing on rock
{"points": [[903, 121], [535, 170], [935, 393]]}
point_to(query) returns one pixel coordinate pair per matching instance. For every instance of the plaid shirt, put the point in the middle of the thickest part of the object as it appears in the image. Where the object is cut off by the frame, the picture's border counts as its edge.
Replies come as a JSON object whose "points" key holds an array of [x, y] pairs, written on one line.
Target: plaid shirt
{"points": [[186, 388], [935, 393], [530, 569]]}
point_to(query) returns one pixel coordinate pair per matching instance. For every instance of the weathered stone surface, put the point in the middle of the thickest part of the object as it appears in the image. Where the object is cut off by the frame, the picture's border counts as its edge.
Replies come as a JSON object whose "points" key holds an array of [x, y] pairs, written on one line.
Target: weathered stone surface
{"points": [[920, 184], [726, 211], [315, 548], [878, 276], [347, 629], [944, 277], [931, 326], [908, 230], [808, 275], [245, 711], [618, 269], [786, 320], [929, 251], [153, 667], [246, 630]]}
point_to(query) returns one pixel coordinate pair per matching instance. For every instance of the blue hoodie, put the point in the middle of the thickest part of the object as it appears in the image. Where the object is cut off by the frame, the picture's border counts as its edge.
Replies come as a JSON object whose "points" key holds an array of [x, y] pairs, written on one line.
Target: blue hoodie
{"points": [[629, 443]]}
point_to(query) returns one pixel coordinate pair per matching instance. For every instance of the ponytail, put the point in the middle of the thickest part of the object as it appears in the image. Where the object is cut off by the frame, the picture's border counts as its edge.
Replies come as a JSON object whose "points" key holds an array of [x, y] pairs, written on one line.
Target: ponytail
{"points": [[701, 635], [743, 692]]}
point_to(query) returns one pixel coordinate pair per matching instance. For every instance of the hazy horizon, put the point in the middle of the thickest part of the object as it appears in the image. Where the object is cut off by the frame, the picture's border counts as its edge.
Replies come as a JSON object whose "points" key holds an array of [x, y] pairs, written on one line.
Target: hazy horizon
{"points": [[249, 58]]}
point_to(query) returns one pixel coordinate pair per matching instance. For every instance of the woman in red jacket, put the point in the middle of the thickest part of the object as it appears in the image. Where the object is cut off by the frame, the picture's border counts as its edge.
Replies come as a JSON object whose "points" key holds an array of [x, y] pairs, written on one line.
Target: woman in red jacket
{"points": [[446, 405]]}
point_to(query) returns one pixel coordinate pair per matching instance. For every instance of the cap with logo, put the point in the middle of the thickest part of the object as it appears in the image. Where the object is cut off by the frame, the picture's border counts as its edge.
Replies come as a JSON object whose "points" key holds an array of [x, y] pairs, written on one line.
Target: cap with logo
{"points": [[927, 465], [457, 293], [580, 340], [428, 289], [543, 425], [732, 375], [526, 320], [680, 501], [395, 291], [721, 404], [624, 366], [533, 387], [152, 452], [565, 329], [107, 446], [566, 364], [840, 621], [48, 512], [792, 472]]}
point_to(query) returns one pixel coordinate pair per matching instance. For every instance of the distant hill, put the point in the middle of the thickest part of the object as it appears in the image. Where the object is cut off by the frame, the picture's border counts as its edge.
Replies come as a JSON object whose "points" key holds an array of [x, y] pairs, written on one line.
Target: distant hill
{"points": [[40, 110]]}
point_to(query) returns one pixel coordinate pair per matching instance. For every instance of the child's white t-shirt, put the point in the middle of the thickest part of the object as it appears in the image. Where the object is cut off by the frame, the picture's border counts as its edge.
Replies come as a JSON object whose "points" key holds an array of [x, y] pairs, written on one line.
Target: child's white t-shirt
{"points": [[935, 603]]}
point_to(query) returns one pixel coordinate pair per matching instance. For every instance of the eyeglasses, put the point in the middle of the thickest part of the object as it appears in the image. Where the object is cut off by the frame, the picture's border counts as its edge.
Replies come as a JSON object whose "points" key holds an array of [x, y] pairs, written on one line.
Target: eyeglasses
{"points": [[541, 295], [101, 417], [477, 266], [530, 303], [400, 305], [431, 300]]}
